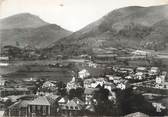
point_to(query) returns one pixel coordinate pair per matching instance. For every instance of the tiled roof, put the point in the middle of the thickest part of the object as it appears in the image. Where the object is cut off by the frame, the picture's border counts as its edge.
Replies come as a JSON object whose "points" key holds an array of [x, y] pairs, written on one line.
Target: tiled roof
{"points": [[137, 114], [63, 100], [47, 83], [72, 104], [19, 104], [41, 100], [90, 91], [54, 97]]}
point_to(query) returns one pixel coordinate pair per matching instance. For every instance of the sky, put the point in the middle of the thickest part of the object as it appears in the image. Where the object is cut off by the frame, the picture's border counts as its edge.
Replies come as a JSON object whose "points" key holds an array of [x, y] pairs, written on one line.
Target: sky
{"points": [[69, 14]]}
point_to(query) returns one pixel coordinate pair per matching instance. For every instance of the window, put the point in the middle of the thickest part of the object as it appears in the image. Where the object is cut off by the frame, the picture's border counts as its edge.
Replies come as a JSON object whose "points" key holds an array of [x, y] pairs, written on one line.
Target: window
{"points": [[38, 107], [71, 107], [44, 110], [33, 108], [67, 107], [76, 107]]}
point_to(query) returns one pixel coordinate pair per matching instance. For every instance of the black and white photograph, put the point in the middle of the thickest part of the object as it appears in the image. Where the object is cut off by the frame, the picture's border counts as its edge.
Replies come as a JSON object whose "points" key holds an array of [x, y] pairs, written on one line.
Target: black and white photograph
{"points": [[83, 58]]}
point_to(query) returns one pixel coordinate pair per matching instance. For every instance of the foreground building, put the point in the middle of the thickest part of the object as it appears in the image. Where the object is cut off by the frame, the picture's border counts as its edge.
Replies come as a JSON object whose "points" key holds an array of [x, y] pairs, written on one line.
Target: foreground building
{"points": [[40, 106]]}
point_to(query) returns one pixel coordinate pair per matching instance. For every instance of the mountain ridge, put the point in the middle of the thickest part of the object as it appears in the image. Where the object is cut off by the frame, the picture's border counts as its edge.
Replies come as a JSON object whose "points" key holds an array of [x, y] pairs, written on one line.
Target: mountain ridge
{"points": [[25, 29], [126, 27]]}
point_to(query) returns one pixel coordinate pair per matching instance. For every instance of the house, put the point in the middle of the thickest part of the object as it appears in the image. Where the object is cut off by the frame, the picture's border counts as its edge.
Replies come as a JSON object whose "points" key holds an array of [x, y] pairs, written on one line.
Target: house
{"points": [[54, 97], [74, 84], [83, 74], [89, 92], [115, 79], [73, 107], [19, 108], [139, 76], [2, 83], [121, 86], [39, 106], [48, 84], [164, 74], [97, 81], [54, 106], [137, 114], [154, 70], [91, 64], [110, 86], [87, 83], [129, 70], [160, 79], [159, 107], [141, 69], [128, 77], [62, 101]]}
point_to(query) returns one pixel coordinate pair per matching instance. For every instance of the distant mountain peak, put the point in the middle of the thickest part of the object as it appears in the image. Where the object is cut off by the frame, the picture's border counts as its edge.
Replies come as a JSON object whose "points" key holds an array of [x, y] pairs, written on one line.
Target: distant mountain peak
{"points": [[23, 20], [27, 29], [129, 27]]}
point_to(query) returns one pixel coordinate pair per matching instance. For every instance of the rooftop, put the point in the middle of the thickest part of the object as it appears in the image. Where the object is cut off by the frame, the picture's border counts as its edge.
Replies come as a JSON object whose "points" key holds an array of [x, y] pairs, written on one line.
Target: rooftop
{"points": [[41, 100], [90, 91], [136, 114]]}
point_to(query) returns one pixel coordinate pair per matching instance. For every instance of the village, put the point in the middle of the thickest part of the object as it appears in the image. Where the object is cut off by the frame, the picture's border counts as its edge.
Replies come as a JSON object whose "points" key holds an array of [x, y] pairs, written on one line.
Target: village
{"points": [[70, 58], [120, 91]]}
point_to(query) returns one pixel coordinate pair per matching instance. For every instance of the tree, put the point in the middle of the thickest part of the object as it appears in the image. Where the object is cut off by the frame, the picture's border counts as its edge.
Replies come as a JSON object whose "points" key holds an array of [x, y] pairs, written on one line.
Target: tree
{"points": [[79, 93], [72, 94], [101, 95], [76, 93], [38, 84], [61, 84], [129, 102], [104, 106]]}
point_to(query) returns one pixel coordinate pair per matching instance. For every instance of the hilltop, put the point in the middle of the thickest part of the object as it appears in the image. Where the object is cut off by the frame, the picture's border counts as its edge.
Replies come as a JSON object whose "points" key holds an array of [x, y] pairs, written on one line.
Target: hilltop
{"points": [[25, 29], [130, 27]]}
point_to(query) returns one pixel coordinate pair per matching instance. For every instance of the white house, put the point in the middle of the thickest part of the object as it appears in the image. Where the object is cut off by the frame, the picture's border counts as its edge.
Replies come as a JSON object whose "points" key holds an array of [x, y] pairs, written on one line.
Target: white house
{"points": [[2, 82], [83, 74], [139, 75], [160, 79], [48, 84], [159, 107], [121, 86]]}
